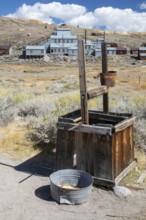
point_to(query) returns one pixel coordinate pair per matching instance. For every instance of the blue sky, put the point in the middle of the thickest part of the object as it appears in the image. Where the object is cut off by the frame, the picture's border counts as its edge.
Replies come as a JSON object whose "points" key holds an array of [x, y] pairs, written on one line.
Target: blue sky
{"points": [[115, 15], [6, 6]]}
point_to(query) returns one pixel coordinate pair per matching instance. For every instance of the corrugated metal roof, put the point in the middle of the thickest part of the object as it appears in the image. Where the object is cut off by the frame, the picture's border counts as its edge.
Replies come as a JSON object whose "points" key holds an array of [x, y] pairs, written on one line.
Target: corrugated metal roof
{"points": [[61, 45], [142, 54], [33, 47], [62, 29], [7, 47], [142, 48], [111, 48], [64, 36]]}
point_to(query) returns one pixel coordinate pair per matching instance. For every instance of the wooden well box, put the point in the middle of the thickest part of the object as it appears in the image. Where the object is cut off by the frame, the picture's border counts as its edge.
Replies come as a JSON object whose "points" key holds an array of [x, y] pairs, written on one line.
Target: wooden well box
{"points": [[104, 148]]}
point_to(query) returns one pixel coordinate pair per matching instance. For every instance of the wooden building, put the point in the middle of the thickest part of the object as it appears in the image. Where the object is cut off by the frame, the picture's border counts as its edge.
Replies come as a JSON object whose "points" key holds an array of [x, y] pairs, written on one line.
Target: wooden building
{"points": [[34, 51], [5, 50], [121, 50], [134, 51], [142, 53]]}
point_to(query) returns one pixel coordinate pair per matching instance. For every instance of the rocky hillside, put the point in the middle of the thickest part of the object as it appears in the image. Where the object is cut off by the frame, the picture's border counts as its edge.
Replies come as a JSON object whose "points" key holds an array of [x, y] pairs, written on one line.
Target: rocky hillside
{"points": [[19, 32]]}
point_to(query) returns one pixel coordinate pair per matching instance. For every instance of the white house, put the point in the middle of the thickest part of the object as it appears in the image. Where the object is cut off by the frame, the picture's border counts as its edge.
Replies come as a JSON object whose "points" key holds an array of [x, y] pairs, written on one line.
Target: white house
{"points": [[34, 51]]}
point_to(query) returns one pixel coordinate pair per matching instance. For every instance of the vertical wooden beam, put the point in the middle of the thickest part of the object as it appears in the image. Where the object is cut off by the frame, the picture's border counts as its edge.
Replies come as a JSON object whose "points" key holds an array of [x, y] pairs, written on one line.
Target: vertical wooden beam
{"points": [[85, 36], [83, 85], [104, 58], [105, 71]]}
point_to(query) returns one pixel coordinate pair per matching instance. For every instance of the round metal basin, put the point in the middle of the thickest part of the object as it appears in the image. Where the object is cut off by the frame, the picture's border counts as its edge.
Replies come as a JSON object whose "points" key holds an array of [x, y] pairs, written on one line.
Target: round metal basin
{"points": [[70, 186]]}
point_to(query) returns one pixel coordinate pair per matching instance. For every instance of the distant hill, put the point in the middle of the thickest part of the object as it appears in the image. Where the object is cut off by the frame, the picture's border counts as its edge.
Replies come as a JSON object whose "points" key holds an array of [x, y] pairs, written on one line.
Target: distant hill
{"points": [[20, 32]]}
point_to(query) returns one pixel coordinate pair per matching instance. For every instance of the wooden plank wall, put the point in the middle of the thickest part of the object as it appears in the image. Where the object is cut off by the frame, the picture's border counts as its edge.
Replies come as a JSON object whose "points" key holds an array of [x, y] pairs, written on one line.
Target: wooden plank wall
{"points": [[123, 150], [103, 156], [94, 154], [65, 149]]}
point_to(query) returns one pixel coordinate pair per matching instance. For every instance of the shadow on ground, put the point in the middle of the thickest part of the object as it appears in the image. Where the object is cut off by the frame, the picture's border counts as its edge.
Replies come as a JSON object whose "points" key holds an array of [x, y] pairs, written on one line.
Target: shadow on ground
{"points": [[42, 164], [43, 193]]}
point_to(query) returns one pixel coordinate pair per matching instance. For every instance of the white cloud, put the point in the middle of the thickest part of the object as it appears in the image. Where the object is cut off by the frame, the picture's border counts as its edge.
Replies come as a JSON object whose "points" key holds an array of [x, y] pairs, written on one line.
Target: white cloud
{"points": [[45, 12], [142, 5], [111, 18], [120, 20]]}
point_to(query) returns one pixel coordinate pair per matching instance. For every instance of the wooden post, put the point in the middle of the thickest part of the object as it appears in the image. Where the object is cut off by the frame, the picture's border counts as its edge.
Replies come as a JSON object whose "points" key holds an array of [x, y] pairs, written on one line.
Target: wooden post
{"points": [[85, 36], [83, 85], [105, 71]]}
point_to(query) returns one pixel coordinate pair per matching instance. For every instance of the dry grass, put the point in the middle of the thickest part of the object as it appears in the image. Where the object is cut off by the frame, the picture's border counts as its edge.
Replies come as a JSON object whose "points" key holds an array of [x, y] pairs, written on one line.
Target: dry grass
{"points": [[26, 83], [131, 179], [14, 141]]}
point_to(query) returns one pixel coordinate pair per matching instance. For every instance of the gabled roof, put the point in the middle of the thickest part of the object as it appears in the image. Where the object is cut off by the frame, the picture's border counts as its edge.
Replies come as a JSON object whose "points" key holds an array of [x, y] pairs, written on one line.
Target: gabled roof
{"points": [[142, 54], [111, 48], [62, 29], [142, 48], [64, 36], [34, 47], [57, 45]]}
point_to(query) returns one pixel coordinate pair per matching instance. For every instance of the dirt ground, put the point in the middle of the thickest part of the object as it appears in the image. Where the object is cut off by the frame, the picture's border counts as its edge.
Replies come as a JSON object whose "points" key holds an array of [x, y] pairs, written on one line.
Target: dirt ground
{"points": [[25, 194], [24, 177]]}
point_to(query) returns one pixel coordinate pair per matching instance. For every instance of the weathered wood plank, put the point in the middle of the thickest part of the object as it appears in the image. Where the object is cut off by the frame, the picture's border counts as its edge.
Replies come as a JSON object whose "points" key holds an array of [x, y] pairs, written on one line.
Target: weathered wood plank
{"points": [[127, 115], [70, 120], [124, 172], [124, 124], [65, 149], [84, 144], [141, 178], [118, 153], [96, 115], [83, 84], [76, 120], [105, 71], [85, 128], [103, 182], [103, 157], [96, 92]]}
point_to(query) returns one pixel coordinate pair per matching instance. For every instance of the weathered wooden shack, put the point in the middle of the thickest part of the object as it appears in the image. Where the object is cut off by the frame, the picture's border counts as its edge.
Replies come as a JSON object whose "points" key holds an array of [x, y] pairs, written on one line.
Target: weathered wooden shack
{"points": [[134, 51], [5, 50], [121, 50]]}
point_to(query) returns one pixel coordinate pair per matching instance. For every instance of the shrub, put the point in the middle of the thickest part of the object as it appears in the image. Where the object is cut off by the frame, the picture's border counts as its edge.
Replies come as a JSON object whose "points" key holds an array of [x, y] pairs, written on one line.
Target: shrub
{"points": [[43, 122], [7, 111]]}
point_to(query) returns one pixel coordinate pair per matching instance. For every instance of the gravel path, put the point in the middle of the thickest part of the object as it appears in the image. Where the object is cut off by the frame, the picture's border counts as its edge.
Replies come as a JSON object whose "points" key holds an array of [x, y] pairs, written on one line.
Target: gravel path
{"points": [[26, 196]]}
